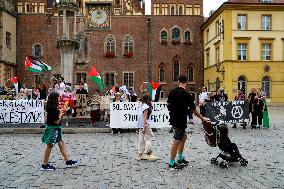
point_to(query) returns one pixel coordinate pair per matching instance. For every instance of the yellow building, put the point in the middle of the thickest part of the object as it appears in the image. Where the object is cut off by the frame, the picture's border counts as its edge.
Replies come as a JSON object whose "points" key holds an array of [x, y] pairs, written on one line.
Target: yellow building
{"points": [[244, 48], [7, 40]]}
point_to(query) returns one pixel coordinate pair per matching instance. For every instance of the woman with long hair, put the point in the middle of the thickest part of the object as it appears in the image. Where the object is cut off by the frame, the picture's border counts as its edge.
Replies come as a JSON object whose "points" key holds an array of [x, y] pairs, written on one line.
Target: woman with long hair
{"points": [[53, 133]]}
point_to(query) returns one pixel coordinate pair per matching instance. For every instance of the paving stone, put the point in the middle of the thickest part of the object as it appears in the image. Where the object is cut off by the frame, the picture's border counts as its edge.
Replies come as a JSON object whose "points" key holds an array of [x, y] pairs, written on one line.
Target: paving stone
{"points": [[108, 161]]}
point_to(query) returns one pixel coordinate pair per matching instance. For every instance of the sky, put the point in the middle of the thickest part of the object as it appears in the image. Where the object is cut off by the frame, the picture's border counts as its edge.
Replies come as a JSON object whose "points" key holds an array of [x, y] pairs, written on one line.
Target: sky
{"points": [[208, 5]]}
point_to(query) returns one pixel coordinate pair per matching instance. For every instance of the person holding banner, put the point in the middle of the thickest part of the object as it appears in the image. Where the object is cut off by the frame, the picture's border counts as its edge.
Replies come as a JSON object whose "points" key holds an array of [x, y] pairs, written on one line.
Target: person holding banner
{"points": [[146, 135], [53, 133], [257, 112], [202, 97], [179, 103]]}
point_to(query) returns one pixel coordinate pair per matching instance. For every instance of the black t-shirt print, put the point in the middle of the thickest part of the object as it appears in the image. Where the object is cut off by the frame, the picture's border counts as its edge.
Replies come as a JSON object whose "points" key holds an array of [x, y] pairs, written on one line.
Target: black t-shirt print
{"points": [[179, 103], [52, 116]]}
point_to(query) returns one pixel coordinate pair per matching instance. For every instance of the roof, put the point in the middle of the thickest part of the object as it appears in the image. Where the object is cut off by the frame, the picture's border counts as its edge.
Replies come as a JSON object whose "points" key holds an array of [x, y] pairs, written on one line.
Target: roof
{"points": [[253, 1], [237, 4]]}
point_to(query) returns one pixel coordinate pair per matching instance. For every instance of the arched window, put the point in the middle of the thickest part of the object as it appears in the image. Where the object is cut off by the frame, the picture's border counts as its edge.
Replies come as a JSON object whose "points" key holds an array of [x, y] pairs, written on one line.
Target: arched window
{"points": [[161, 74], [180, 10], [242, 84], [164, 36], [187, 36], [175, 34], [190, 73], [266, 86], [128, 44], [176, 69], [110, 44], [37, 50], [86, 45], [173, 10]]}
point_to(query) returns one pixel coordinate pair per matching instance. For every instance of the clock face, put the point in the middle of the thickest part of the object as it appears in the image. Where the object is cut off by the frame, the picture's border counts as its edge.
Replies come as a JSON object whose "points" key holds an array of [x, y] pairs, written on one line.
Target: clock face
{"points": [[99, 17]]}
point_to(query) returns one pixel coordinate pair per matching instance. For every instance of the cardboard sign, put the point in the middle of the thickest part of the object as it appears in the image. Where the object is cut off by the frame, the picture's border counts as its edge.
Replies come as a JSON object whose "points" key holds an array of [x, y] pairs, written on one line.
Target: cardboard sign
{"points": [[105, 102], [81, 103], [21, 111], [125, 115]]}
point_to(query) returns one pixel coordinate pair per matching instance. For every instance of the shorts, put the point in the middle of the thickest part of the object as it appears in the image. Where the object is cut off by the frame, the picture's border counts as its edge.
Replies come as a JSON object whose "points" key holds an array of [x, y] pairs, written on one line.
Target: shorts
{"points": [[179, 133]]}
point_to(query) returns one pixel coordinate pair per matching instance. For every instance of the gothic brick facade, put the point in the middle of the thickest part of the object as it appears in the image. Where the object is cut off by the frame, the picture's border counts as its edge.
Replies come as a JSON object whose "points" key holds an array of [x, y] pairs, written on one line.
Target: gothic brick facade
{"points": [[127, 22]]}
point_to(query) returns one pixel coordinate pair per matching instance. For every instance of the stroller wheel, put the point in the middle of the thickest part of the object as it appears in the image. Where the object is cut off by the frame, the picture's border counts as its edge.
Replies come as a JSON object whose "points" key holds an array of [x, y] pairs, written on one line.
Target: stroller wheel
{"points": [[244, 162], [224, 165], [214, 161]]}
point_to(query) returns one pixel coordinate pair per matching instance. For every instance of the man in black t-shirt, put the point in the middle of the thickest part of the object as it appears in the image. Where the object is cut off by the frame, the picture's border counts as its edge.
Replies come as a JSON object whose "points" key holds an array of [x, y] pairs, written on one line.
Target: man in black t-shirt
{"points": [[179, 103]]}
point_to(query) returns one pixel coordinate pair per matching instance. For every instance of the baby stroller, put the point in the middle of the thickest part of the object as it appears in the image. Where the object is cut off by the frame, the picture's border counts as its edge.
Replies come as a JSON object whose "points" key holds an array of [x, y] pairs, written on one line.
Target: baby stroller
{"points": [[218, 136]]}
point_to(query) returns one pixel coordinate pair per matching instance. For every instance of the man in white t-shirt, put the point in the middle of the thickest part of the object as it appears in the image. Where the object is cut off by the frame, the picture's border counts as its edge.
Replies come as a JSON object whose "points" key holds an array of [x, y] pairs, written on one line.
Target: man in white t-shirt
{"points": [[60, 86]]}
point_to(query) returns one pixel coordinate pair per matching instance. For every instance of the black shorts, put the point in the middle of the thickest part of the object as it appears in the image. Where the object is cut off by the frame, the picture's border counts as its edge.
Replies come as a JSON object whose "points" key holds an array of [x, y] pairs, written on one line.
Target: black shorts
{"points": [[179, 133]]}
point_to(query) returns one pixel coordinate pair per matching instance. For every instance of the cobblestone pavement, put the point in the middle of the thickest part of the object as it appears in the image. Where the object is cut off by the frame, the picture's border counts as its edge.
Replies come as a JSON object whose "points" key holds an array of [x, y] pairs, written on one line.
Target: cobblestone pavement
{"points": [[108, 161]]}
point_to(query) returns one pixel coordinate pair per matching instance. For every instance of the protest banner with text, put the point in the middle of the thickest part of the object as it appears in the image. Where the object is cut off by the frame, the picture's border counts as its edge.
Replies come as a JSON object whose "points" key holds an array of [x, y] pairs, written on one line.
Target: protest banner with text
{"points": [[125, 115], [21, 111], [228, 112]]}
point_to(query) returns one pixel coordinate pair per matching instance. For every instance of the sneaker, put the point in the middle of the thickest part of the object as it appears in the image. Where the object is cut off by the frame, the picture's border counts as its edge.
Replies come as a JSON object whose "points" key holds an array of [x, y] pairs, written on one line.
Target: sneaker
{"points": [[141, 157], [175, 166], [150, 157], [71, 163], [183, 162], [47, 167]]}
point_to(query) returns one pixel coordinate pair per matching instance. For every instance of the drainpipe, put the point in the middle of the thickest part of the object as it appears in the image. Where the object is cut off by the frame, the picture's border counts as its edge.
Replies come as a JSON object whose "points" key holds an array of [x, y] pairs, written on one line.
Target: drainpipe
{"points": [[149, 48]]}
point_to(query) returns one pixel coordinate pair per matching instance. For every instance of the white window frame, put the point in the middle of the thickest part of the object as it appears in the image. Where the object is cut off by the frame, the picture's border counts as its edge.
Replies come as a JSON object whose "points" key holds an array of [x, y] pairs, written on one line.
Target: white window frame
{"points": [[128, 39], [107, 40], [242, 49], [266, 52], [242, 20], [20, 7], [266, 22]]}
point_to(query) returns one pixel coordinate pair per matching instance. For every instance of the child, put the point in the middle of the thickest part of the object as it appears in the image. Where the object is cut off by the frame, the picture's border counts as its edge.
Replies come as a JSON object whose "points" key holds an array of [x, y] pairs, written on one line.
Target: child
{"points": [[145, 132], [53, 133], [226, 145]]}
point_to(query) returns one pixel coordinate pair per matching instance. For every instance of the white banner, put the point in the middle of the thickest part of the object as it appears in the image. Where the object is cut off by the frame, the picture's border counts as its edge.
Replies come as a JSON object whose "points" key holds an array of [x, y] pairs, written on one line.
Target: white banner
{"points": [[21, 111], [125, 115]]}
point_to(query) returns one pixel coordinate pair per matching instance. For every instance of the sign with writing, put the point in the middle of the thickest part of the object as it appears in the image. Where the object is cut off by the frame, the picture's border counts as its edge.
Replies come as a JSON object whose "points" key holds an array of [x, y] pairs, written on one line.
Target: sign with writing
{"points": [[21, 111], [228, 112], [125, 115], [105, 102], [81, 104]]}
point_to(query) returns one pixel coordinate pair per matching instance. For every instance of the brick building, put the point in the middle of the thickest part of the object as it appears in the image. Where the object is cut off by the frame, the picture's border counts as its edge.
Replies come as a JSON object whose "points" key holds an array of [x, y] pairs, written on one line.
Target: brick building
{"points": [[126, 46], [7, 41]]}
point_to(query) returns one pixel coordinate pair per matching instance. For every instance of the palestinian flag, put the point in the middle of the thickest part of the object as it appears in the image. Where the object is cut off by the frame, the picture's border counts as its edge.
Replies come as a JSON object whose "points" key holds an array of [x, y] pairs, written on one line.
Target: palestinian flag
{"points": [[154, 90], [14, 80], [40, 63], [96, 78], [31, 66]]}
